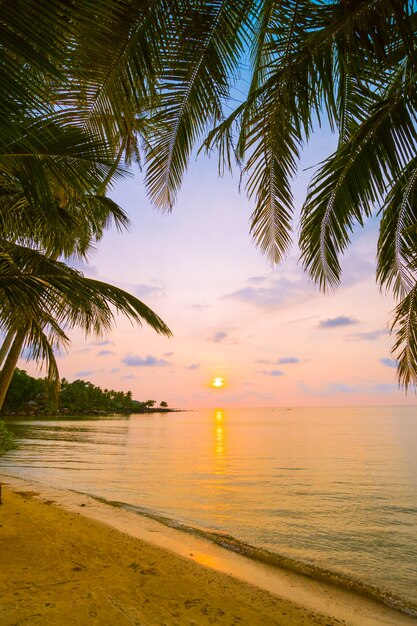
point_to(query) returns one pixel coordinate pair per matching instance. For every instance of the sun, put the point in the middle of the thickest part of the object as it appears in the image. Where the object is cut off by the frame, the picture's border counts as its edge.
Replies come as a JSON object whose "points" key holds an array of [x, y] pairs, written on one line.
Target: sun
{"points": [[217, 382]]}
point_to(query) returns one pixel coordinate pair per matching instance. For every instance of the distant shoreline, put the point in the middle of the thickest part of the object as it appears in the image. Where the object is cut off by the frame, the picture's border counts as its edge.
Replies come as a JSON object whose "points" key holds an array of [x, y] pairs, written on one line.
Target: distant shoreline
{"points": [[93, 413]]}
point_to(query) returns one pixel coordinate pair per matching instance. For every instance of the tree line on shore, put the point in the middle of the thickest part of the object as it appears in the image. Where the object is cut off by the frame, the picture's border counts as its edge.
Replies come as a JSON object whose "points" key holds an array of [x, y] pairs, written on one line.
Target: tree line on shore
{"points": [[28, 395]]}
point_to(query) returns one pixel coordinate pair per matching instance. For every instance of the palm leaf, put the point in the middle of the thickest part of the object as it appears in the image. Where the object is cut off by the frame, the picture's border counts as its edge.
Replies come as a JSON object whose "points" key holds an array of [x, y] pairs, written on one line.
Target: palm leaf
{"points": [[397, 243], [194, 85], [31, 283], [353, 181], [405, 346]]}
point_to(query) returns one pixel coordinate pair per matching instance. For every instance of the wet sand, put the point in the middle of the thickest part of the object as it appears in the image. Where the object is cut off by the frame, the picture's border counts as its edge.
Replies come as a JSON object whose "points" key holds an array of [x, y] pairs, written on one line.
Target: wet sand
{"points": [[67, 559]]}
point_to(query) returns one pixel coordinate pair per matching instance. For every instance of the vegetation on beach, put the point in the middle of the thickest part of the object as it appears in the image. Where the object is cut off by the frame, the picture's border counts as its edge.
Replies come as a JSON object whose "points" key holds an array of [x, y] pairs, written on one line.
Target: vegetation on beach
{"points": [[28, 396], [91, 86], [7, 440]]}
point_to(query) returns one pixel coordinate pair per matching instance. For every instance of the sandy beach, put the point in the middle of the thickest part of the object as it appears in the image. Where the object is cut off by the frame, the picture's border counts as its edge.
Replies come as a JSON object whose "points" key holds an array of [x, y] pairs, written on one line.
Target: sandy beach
{"points": [[68, 559]]}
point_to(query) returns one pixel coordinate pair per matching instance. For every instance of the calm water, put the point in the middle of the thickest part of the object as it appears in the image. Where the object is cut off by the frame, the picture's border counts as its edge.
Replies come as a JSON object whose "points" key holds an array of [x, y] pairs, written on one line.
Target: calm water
{"points": [[336, 488]]}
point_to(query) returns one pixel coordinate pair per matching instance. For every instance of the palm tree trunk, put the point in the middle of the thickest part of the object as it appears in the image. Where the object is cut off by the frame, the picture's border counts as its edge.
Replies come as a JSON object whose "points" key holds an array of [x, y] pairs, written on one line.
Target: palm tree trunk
{"points": [[6, 345], [10, 363]]}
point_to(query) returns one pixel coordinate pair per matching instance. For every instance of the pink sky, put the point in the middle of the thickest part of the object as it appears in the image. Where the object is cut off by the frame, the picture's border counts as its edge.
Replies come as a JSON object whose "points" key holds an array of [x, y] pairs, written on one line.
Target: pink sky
{"points": [[274, 338]]}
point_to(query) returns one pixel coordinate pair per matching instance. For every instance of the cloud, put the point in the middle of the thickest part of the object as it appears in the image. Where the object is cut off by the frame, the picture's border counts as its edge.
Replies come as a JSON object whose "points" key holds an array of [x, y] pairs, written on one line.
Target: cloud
{"points": [[105, 342], [168, 354], [275, 292], [105, 353], [128, 377], [149, 361], [331, 389], [369, 336], [285, 360], [219, 336], [340, 388], [336, 322], [84, 373], [385, 388], [193, 366], [257, 279], [273, 373], [148, 291], [355, 268], [199, 307], [114, 370], [388, 362]]}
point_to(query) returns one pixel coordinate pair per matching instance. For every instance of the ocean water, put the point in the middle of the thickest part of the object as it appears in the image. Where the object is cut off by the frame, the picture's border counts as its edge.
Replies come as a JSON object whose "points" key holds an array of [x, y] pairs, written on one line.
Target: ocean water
{"points": [[329, 491]]}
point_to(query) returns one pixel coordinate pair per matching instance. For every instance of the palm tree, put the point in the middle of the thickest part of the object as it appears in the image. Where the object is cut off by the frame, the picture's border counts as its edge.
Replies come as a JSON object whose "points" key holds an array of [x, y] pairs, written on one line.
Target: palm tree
{"points": [[56, 164], [352, 63], [43, 297], [160, 74]]}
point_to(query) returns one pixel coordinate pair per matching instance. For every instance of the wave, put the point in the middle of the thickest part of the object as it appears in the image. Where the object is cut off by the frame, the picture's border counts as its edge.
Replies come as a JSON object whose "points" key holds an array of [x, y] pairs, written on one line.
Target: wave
{"points": [[310, 570]]}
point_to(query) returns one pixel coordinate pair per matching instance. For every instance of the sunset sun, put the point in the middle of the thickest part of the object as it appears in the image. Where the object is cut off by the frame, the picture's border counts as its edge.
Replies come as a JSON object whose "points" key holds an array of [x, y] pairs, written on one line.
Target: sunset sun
{"points": [[217, 382]]}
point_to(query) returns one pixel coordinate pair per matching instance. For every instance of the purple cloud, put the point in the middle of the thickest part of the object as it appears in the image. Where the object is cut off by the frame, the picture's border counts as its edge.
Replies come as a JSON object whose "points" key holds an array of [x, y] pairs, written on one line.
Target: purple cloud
{"points": [[388, 363], [273, 373], [336, 322], [385, 388], [369, 336], [218, 337], [256, 280], [286, 360], [274, 293], [84, 373], [328, 390], [105, 353], [193, 366], [149, 361]]}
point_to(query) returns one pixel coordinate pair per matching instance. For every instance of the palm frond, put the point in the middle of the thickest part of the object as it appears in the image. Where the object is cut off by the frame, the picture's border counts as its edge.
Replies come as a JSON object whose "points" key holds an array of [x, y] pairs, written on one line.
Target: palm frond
{"points": [[352, 182], [31, 284], [397, 243], [405, 346], [194, 85]]}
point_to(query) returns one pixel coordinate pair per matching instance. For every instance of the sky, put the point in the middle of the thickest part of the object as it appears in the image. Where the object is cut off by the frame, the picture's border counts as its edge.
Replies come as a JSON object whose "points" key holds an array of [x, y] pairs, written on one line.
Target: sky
{"points": [[268, 332]]}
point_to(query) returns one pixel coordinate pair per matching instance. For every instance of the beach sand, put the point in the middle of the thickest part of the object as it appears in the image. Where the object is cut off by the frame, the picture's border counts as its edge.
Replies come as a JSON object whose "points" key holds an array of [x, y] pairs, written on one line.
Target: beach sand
{"points": [[61, 564]]}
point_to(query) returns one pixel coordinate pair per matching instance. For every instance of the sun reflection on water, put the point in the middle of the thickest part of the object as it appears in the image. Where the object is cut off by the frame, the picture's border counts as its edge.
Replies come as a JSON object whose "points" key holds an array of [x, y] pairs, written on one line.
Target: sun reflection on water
{"points": [[219, 433]]}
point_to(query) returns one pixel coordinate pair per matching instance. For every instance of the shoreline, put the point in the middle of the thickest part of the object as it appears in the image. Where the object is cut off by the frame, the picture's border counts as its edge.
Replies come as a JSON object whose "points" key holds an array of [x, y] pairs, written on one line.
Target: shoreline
{"points": [[303, 599]]}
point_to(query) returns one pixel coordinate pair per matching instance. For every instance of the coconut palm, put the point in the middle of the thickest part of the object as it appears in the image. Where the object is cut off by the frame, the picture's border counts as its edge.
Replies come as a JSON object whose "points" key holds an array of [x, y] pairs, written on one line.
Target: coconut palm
{"points": [[56, 165], [351, 63], [162, 72], [62, 219], [41, 298]]}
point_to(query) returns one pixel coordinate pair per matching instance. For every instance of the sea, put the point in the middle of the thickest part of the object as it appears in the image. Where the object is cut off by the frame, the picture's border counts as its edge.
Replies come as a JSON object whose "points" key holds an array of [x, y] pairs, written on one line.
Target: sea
{"points": [[331, 492]]}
